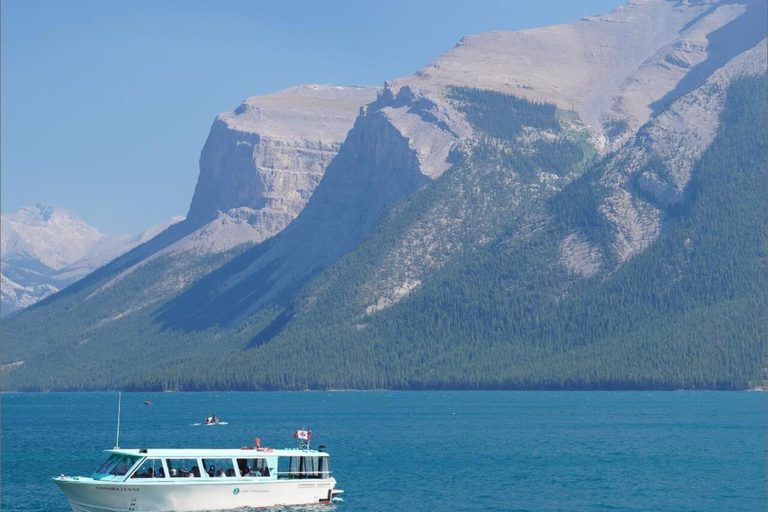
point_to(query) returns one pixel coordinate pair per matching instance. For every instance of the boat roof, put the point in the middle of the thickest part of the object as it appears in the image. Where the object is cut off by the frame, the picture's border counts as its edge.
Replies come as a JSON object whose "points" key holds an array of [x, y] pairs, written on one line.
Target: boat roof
{"points": [[247, 452]]}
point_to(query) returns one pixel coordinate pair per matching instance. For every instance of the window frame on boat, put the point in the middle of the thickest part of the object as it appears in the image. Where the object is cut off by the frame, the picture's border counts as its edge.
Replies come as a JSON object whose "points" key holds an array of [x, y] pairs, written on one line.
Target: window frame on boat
{"points": [[215, 463], [320, 467], [154, 476], [301, 465], [107, 470], [182, 471], [248, 461]]}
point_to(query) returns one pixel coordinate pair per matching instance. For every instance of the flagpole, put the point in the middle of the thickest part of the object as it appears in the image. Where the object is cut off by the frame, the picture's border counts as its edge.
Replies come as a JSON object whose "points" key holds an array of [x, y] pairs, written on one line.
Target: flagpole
{"points": [[119, 399]]}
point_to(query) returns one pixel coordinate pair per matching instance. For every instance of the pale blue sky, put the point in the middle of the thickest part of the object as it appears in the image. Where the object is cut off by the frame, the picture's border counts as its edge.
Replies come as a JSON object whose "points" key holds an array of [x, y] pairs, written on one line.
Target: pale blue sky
{"points": [[106, 104]]}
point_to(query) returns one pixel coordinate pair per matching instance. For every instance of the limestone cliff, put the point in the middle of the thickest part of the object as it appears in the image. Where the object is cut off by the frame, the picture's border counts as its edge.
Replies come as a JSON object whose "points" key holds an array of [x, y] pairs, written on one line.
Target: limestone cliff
{"points": [[258, 168], [613, 71], [262, 161]]}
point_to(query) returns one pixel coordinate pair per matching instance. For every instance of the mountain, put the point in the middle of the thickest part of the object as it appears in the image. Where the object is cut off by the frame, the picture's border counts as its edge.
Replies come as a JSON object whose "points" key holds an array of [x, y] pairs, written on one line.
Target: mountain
{"points": [[578, 206], [263, 160], [45, 248], [407, 137], [259, 166]]}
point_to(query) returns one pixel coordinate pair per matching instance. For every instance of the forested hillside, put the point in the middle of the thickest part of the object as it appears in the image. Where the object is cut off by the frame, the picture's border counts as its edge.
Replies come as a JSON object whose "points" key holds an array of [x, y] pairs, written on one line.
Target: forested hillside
{"points": [[689, 312], [487, 301]]}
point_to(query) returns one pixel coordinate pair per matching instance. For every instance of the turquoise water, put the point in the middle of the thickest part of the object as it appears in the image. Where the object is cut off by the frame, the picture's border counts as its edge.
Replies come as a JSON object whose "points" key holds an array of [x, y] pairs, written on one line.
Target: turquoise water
{"points": [[426, 451]]}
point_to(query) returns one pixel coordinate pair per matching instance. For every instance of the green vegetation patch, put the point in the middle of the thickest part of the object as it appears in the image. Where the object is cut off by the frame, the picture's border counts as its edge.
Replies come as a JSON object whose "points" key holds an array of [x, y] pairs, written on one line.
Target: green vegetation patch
{"points": [[502, 115]]}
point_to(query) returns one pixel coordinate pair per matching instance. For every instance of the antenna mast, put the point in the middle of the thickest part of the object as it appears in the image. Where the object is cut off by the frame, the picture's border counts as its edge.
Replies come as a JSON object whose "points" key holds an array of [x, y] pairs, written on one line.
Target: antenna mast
{"points": [[119, 399]]}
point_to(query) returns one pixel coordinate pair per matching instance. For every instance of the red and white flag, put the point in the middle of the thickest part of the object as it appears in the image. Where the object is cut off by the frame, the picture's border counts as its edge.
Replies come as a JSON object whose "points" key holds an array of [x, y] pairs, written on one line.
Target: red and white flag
{"points": [[303, 434]]}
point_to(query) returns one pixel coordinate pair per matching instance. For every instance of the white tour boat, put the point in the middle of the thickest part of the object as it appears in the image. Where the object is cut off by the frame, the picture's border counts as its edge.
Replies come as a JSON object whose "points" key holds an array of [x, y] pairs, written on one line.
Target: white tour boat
{"points": [[158, 479]]}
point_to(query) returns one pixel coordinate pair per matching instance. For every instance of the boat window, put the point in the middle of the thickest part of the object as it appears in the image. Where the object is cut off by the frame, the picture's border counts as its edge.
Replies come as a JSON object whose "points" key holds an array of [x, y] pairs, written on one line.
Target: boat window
{"points": [[302, 467], [117, 464], [150, 468], [324, 467], [310, 467], [287, 467], [219, 467], [108, 464], [253, 467], [183, 468]]}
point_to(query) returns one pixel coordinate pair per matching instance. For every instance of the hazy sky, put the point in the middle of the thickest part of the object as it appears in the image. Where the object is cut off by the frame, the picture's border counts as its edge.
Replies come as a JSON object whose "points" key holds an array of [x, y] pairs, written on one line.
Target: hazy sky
{"points": [[106, 105]]}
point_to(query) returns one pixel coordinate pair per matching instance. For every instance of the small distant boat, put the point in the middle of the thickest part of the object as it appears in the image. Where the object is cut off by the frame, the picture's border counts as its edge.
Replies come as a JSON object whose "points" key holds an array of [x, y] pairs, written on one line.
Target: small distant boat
{"points": [[147, 402], [185, 480], [210, 421]]}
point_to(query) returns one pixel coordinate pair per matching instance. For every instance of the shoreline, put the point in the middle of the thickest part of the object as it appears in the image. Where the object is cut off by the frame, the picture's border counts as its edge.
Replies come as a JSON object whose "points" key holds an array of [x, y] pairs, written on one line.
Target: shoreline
{"points": [[762, 389]]}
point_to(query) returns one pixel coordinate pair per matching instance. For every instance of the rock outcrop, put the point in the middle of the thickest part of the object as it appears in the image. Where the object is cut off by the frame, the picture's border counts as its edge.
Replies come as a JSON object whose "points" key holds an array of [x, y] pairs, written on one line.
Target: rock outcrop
{"points": [[375, 168], [611, 69], [258, 168], [262, 161], [650, 173]]}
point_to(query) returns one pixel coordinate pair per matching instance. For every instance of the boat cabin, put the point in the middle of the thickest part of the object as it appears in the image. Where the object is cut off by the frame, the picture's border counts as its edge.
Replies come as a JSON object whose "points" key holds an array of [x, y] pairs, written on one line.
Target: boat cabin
{"points": [[149, 464]]}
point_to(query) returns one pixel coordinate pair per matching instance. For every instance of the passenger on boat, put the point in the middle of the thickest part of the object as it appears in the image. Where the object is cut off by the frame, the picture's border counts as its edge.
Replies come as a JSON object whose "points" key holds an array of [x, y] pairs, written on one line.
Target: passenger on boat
{"points": [[211, 471]]}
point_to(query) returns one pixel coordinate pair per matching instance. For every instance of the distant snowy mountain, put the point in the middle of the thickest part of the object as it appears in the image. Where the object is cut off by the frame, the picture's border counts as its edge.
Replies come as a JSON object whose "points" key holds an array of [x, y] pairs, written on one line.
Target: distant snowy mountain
{"points": [[45, 248]]}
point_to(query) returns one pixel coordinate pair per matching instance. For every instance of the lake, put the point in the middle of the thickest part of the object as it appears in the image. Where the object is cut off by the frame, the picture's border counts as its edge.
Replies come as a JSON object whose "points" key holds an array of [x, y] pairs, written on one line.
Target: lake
{"points": [[427, 451]]}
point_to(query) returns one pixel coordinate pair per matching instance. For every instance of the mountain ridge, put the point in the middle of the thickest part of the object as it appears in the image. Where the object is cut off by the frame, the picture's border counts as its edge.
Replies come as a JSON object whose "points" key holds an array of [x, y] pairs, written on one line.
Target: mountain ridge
{"points": [[465, 226]]}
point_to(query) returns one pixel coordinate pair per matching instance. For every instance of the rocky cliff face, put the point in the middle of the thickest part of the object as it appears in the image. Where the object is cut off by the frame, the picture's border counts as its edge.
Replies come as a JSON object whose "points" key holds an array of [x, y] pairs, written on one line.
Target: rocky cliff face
{"points": [[44, 249], [375, 168], [650, 173], [611, 70], [258, 168], [262, 161]]}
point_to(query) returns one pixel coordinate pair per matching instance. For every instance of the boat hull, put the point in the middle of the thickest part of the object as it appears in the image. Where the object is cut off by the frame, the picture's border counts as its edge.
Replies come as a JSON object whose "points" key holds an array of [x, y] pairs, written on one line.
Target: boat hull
{"points": [[181, 495]]}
